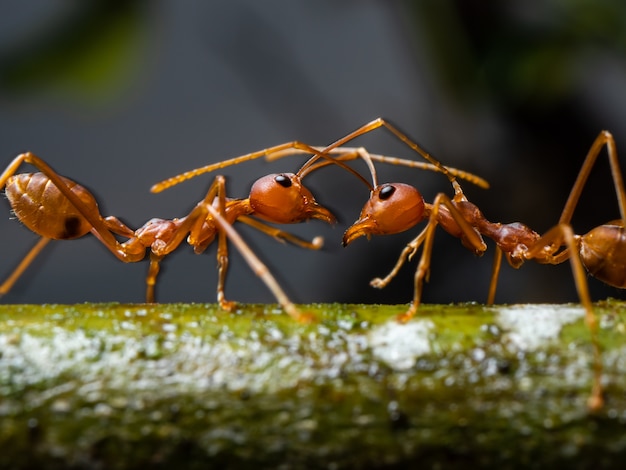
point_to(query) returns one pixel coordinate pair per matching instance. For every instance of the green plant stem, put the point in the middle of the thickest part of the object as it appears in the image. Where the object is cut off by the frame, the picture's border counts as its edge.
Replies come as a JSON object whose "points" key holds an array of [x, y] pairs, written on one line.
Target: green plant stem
{"points": [[126, 386]]}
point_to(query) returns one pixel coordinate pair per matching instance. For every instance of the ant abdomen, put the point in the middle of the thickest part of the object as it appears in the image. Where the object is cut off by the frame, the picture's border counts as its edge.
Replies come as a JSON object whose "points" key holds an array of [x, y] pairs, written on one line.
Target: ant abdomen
{"points": [[28, 192], [603, 253]]}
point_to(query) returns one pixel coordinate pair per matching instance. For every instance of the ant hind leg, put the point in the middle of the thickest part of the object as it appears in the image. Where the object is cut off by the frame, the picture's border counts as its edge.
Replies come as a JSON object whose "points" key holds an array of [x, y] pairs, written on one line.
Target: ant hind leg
{"points": [[556, 236], [495, 273], [6, 286]]}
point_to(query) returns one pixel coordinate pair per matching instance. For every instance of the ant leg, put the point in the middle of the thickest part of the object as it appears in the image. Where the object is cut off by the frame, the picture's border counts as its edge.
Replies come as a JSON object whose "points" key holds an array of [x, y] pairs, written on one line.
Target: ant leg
{"points": [[222, 244], [472, 241], [115, 225], [281, 235], [13, 166], [225, 231], [151, 278], [495, 273], [407, 254], [605, 138], [10, 281], [258, 267], [222, 261], [26, 261], [193, 224], [556, 236], [193, 228], [423, 268]]}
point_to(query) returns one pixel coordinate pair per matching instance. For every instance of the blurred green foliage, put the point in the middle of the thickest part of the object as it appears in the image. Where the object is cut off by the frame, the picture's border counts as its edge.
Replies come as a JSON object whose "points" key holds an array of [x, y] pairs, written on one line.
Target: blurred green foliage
{"points": [[517, 52], [89, 53]]}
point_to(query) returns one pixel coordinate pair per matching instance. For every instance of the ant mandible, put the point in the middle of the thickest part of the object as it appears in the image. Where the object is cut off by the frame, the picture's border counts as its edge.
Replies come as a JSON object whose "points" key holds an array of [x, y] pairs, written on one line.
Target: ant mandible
{"points": [[56, 207]]}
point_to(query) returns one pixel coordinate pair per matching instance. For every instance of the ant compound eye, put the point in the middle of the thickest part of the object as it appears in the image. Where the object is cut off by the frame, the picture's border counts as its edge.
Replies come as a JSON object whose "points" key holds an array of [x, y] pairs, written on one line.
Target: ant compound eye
{"points": [[386, 191], [283, 180]]}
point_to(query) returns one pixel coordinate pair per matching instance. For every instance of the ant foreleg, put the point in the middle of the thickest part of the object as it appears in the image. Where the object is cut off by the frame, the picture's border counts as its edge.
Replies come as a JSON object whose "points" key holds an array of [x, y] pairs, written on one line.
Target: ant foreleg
{"points": [[281, 235], [407, 254], [423, 268]]}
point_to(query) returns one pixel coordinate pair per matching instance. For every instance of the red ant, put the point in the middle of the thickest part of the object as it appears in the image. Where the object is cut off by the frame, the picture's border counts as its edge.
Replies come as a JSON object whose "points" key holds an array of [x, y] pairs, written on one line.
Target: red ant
{"points": [[56, 207], [396, 207]]}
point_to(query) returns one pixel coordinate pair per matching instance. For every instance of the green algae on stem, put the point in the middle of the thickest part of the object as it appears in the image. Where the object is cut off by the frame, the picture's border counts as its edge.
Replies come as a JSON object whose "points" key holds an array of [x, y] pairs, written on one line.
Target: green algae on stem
{"points": [[129, 385]]}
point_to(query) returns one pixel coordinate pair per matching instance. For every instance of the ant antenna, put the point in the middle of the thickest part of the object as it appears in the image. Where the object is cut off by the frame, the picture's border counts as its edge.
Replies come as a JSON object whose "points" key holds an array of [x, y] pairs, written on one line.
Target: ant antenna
{"points": [[310, 165], [286, 148], [354, 152], [380, 122]]}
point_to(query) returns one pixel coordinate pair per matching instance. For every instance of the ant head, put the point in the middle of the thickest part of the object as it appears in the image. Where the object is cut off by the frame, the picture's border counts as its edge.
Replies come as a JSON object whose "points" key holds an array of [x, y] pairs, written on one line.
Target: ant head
{"points": [[282, 198], [391, 208]]}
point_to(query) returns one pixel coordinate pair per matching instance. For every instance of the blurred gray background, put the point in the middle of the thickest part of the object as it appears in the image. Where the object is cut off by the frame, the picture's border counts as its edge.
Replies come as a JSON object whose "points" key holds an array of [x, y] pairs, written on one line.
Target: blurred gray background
{"points": [[118, 95]]}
